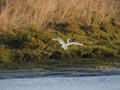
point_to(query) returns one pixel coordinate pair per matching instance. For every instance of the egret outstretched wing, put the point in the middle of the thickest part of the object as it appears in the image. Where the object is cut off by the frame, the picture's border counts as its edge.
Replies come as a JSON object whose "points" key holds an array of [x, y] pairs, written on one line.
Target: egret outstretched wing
{"points": [[59, 40], [75, 43]]}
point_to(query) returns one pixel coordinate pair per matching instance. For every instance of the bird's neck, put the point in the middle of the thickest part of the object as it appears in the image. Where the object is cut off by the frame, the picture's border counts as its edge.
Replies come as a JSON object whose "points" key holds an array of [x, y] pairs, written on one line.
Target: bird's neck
{"points": [[68, 41]]}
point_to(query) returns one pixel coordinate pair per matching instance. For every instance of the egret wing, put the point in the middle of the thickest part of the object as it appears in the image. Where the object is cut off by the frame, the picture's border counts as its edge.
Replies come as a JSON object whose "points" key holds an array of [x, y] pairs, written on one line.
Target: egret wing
{"points": [[75, 43], [59, 40]]}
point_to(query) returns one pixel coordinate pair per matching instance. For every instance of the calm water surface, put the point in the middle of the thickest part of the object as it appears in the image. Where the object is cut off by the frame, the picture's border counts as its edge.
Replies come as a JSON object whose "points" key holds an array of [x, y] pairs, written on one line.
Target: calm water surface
{"points": [[62, 83]]}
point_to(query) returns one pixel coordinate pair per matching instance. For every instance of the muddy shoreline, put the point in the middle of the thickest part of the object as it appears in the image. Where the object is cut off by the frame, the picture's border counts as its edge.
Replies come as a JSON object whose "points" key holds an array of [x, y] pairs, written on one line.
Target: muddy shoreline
{"points": [[64, 72]]}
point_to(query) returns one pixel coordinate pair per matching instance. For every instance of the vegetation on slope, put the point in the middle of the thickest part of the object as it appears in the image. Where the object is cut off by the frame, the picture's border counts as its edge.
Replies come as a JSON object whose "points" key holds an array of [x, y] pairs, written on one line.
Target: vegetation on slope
{"points": [[29, 44], [28, 26]]}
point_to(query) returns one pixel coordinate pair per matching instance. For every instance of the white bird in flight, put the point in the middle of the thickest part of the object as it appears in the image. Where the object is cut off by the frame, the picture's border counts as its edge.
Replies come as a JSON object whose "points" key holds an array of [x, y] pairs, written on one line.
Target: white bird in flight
{"points": [[65, 45]]}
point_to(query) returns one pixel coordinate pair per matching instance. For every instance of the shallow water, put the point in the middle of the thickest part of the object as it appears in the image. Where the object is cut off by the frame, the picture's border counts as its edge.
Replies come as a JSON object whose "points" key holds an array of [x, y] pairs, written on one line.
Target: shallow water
{"points": [[63, 83]]}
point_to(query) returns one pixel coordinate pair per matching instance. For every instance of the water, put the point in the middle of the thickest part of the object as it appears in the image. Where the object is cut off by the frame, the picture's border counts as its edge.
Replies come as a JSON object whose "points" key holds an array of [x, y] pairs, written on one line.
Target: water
{"points": [[62, 83]]}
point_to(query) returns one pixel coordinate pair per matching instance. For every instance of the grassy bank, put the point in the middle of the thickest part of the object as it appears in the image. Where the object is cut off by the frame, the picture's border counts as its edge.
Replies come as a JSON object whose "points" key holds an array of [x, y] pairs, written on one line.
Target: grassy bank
{"points": [[29, 45], [27, 28], [95, 63]]}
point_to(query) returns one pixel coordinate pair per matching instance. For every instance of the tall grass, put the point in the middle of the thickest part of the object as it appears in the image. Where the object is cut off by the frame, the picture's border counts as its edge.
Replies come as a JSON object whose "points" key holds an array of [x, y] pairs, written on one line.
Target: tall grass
{"points": [[39, 13]]}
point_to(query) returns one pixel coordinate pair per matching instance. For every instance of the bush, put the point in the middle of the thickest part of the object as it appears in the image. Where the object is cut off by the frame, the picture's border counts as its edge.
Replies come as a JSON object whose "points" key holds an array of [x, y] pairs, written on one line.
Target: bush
{"points": [[103, 51], [5, 56], [97, 51], [28, 56], [58, 54], [21, 37], [85, 52]]}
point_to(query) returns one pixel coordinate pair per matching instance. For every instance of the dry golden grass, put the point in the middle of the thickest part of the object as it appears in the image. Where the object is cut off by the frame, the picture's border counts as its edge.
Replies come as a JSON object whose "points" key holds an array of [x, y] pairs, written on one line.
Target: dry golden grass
{"points": [[39, 13]]}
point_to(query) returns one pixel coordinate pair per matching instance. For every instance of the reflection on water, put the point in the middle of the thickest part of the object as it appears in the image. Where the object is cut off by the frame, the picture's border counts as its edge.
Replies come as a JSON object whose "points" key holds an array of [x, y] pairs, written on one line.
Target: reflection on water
{"points": [[63, 83]]}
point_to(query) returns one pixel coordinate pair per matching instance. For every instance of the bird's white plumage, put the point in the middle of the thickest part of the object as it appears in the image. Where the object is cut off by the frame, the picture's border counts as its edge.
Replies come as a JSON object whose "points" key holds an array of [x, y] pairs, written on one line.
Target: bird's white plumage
{"points": [[75, 43], [65, 45], [59, 40]]}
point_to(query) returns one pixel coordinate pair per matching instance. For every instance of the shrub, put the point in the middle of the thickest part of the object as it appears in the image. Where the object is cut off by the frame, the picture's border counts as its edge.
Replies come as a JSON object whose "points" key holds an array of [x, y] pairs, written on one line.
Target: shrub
{"points": [[21, 37], [97, 51], [85, 52], [102, 51], [5, 56], [57, 54]]}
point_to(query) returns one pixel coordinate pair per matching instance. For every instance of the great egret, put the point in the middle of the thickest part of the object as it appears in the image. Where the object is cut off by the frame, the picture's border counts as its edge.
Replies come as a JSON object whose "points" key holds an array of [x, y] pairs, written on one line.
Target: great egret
{"points": [[65, 45]]}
